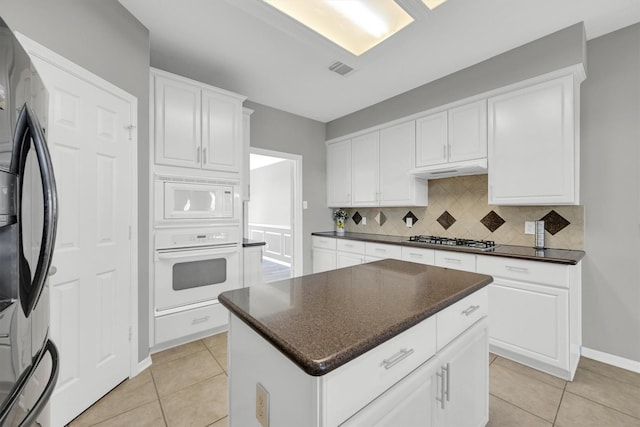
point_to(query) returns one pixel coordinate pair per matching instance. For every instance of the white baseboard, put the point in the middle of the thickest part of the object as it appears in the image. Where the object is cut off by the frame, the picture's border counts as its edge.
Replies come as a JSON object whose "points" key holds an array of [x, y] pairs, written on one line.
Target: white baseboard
{"points": [[143, 364], [610, 359]]}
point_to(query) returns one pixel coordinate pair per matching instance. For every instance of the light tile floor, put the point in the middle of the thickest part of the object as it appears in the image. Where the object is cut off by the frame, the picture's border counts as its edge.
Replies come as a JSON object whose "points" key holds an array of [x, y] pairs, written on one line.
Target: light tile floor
{"points": [[187, 386]]}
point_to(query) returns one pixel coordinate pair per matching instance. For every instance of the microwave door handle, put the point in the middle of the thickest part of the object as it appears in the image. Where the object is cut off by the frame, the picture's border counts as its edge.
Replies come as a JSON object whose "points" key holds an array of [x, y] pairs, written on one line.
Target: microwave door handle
{"points": [[50, 210], [30, 419]]}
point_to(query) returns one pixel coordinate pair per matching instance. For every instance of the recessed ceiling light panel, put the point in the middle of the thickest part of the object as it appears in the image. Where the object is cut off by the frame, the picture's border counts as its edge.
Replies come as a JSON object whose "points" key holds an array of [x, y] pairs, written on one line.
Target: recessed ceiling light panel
{"points": [[355, 25]]}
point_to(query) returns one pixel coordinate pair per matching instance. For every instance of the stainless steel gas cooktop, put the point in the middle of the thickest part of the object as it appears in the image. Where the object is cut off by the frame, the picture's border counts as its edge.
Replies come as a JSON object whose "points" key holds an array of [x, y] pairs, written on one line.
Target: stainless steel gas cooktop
{"points": [[483, 245]]}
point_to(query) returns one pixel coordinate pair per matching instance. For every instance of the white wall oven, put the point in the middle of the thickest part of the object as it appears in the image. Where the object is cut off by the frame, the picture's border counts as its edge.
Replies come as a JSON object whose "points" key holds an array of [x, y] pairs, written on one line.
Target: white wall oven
{"points": [[193, 266], [180, 200]]}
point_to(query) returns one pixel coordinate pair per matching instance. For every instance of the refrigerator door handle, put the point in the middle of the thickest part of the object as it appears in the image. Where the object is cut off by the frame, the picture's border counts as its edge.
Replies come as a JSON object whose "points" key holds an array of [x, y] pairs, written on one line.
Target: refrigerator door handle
{"points": [[48, 390], [27, 121]]}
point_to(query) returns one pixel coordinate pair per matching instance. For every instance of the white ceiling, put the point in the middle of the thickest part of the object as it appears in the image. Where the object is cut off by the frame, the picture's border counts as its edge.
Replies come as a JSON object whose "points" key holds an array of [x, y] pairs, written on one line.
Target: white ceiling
{"points": [[246, 47]]}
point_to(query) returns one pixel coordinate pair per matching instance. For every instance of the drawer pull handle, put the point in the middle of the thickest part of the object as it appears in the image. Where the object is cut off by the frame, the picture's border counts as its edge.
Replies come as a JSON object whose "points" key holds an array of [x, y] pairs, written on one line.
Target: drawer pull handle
{"points": [[380, 250], [448, 382], [396, 358], [199, 320], [441, 398], [518, 269], [470, 310], [456, 260], [415, 255]]}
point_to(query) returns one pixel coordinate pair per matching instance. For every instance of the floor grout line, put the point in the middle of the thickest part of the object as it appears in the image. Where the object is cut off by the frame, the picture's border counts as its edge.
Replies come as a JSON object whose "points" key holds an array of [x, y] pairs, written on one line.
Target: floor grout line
{"points": [[155, 386], [564, 390], [522, 409], [602, 404]]}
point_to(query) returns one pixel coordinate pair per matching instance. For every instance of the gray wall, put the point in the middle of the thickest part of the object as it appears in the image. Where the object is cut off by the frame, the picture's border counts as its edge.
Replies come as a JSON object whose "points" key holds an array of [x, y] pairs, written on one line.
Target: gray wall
{"points": [[102, 37], [271, 194], [277, 130], [560, 49], [610, 128]]}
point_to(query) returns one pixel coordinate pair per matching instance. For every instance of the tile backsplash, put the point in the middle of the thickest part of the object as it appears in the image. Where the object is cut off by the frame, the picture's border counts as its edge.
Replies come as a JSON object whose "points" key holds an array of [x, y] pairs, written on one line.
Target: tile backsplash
{"points": [[458, 208]]}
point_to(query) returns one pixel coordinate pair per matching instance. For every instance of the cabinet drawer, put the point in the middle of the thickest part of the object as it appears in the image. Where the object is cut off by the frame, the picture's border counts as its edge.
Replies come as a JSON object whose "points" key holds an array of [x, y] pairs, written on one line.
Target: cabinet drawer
{"points": [[523, 270], [177, 325], [380, 250], [352, 386], [323, 242], [350, 246], [456, 260], [456, 318], [419, 255]]}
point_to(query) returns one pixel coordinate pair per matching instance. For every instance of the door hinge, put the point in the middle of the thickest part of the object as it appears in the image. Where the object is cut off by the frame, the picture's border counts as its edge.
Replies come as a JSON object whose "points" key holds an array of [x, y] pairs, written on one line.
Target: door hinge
{"points": [[130, 128]]}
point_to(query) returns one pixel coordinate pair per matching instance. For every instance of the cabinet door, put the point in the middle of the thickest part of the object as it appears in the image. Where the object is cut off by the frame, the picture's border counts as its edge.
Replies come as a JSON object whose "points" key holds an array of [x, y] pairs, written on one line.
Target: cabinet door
{"points": [[431, 140], [177, 123], [465, 366], [252, 266], [246, 144], [345, 259], [540, 311], [397, 148], [409, 403], [323, 260], [221, 132], [365, 173], [339, 174], [531, 145], [468, 132]]}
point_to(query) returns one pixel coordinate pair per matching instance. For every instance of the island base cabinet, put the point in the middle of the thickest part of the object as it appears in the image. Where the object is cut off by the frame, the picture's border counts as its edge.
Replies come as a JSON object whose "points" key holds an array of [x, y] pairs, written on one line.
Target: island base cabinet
{"points": [[449, 388]]}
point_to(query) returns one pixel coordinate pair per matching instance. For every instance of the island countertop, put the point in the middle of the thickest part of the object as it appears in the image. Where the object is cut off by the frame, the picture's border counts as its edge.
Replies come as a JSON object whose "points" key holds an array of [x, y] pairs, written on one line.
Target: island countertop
{"points": [[324, 320]]}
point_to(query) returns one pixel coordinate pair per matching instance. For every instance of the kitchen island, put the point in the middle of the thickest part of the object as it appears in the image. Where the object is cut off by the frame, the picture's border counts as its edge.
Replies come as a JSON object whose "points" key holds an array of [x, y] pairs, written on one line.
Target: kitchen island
{"points": [[359, 346]]}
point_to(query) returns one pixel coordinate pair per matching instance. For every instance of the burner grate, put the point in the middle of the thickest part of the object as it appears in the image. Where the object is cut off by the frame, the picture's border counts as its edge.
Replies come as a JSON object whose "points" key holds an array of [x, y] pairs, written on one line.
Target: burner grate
{"points": [[446, 241]]}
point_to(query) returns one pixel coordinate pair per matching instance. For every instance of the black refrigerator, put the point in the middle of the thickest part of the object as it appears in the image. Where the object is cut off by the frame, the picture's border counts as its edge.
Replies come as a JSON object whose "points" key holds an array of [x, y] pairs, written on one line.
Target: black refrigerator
{"points": [[28, 216]]}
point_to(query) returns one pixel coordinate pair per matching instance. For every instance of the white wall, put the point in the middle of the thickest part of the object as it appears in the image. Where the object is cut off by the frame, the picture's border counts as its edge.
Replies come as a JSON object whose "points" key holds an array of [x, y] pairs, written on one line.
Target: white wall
{"points": [[271, 194]]}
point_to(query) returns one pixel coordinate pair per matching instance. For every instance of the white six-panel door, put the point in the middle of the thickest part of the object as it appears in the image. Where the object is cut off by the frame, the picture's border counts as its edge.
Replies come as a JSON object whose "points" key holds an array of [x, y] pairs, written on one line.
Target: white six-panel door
{"points": [[91, 293]]}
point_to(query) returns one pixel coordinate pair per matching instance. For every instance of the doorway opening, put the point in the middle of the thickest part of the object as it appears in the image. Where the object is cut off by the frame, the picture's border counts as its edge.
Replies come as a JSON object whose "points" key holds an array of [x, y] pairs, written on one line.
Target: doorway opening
{"points": [[275, 211]]}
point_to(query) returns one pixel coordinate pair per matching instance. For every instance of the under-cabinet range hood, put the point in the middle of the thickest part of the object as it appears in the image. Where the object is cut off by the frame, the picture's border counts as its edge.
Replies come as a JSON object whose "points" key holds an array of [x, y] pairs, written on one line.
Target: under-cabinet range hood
{"points": [[468, 167]]}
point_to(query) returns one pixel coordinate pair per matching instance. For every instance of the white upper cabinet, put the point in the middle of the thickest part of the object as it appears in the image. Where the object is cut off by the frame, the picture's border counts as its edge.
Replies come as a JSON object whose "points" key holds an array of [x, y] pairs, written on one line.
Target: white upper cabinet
{"points": [[533, 146], [454, 135], [339, 174], [177, 123], [221, 132], [365, 169], [468, 132], [431, 140], [195, 125], [372, 170], [397, 187]]}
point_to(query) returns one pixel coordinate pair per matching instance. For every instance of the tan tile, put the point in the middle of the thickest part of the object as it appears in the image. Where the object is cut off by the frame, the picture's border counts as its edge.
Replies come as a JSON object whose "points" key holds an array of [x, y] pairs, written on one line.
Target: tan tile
{"points": [[180, 373], [610, 371], [492, 358], [217, 344], [197, 405], [177, 352], [530, 372], [527, 393], [504, 414], [221, 423], [149, 415], [605, 390], [576, 411], [130, 394]]}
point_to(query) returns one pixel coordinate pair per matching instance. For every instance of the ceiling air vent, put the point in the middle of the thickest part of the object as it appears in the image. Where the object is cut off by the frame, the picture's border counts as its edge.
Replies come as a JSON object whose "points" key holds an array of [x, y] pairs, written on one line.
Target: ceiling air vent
{"points": [[341, 68]]}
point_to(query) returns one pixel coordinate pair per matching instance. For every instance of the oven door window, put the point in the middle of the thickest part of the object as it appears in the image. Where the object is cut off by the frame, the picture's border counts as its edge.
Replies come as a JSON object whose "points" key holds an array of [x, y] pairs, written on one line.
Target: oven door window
{"points": [[194, 274]]}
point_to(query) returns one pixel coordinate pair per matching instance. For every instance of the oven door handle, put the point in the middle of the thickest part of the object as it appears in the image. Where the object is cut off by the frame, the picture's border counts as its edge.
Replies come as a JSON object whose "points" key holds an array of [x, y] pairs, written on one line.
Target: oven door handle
{"points": [[192, 253]]}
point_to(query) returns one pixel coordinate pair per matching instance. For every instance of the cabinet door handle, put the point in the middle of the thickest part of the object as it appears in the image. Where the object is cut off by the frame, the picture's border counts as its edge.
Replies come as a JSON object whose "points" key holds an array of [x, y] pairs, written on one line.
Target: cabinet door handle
{"points": [[198, 155], [470, 310], [204, 156], [199, 320], [442, 385], [447, 372], [396, 358], [517, 269]]}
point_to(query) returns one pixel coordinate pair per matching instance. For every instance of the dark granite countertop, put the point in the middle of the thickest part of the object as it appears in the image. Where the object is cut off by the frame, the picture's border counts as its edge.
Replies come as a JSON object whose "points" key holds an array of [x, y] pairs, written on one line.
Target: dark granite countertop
{"points": [[324, 320], [558, 256], [249, 242]]}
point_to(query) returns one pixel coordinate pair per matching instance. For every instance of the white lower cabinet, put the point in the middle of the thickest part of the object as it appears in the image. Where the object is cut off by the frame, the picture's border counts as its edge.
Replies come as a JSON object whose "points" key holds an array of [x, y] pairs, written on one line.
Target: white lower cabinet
{"points": [[346, 259], [324, 253], [535, 313], [252, 266], [419, 255], [455, 260], [404, 382]]}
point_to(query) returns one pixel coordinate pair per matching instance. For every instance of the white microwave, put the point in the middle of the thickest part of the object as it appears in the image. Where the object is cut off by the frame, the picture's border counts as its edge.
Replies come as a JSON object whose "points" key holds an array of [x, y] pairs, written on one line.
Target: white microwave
{"points": [[184, 199]]}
